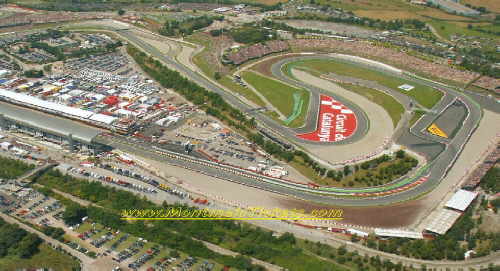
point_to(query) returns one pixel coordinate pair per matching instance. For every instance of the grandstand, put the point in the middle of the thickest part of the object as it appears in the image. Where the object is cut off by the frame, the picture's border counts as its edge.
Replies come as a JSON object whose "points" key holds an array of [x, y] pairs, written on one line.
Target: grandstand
{"points": [[100, 120], [60, 131]]}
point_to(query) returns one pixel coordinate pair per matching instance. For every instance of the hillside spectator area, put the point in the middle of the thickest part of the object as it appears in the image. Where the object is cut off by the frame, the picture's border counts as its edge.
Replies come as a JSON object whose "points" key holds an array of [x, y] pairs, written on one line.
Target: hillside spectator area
{"points": [[238, 56]]}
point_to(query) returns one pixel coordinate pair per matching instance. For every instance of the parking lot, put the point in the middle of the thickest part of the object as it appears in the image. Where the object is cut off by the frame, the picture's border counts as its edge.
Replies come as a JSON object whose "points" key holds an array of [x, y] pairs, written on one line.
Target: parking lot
{"points": [[106, 62], [95, 240], [219, 143], [36, 56], [137, 253]]}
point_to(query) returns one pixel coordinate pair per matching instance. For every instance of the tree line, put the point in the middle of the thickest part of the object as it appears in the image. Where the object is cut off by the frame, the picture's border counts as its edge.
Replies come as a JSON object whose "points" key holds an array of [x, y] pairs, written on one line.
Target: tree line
{"points": [[12, 168], [490, 181], [188, 26], [214, 105], [15, 241], [175, 234]]}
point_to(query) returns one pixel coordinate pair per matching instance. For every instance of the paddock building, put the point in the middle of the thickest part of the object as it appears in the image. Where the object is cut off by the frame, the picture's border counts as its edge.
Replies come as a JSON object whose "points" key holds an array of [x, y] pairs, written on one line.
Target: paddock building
{"points": [[66, 133]]}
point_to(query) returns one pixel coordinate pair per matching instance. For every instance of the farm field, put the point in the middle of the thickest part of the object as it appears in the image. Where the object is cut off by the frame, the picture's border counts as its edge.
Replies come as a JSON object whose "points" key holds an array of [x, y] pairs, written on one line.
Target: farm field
{"points": [[491, 5], [388, 9], [46, 257], [425, 96], [448, 28], [280, 95]]}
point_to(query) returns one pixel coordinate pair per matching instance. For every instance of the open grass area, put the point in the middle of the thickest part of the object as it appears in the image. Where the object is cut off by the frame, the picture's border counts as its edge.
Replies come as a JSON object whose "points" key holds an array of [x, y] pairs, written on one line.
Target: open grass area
{"points": [[280, 95], [244, 91], [199, 59], [47, 258], [448, 28], [425, 96], [391, 105]]}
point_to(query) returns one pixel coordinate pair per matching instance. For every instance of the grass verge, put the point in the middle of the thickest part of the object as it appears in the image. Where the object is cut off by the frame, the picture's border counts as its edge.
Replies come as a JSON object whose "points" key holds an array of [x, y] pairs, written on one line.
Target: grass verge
{"points": [[416, 116]]}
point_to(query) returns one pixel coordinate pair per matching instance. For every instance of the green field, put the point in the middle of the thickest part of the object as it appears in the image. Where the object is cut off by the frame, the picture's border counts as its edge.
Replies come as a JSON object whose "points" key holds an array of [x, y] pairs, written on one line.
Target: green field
{"points": [[244, 91], [448, 28], [279, 95], [425, 96], [391, 105], [45, 258]]}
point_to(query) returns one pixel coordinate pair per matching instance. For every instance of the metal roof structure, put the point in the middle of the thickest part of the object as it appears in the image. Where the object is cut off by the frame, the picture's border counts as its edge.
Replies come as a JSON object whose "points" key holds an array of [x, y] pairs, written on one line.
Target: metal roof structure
{"points": [[55, 107], [398, 233], [443, 221], [461, 200], [48, 123]]}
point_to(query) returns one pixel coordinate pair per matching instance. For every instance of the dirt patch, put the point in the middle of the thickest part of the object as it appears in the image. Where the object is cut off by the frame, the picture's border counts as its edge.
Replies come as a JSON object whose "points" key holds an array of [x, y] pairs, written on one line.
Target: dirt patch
{"points": [[490, 222], [210, 57], [264, 67], [385, 216]]}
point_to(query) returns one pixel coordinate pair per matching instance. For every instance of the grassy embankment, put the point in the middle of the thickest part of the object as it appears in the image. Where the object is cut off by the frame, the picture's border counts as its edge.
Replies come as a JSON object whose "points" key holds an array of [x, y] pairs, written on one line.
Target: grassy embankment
{"points": [[279, 95], [447, 28]]}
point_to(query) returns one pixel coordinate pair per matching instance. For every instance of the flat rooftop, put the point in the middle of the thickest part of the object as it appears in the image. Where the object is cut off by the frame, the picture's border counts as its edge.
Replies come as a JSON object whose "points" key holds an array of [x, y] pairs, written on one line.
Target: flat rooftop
{"points": [[461, 200], [48, 123]]}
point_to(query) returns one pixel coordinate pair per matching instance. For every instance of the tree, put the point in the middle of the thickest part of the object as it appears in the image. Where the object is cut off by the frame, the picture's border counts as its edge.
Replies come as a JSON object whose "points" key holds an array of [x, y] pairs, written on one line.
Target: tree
{"points": [[47, 68], [33, 73], [74, 214], [121, 12], [174, 254], [28, 246], [347, 170], [217, 76], [400, 154]]}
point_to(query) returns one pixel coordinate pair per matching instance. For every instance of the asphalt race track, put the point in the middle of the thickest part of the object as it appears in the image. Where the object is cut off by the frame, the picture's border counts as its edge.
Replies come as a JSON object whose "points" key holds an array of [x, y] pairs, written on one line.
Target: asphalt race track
{"points": [[441, 154]]}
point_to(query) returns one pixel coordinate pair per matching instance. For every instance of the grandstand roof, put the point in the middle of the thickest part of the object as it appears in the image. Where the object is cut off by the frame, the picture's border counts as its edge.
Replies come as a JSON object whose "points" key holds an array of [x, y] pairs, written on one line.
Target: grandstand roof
{"points": [[48, 123], [461, 200], [399, 233], [443, 221], [55, 107]]}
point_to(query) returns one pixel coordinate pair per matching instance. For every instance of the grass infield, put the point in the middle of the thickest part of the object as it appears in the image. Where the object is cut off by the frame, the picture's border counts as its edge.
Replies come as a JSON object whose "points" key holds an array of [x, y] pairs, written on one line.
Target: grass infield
{"points": [[280, 96]]}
